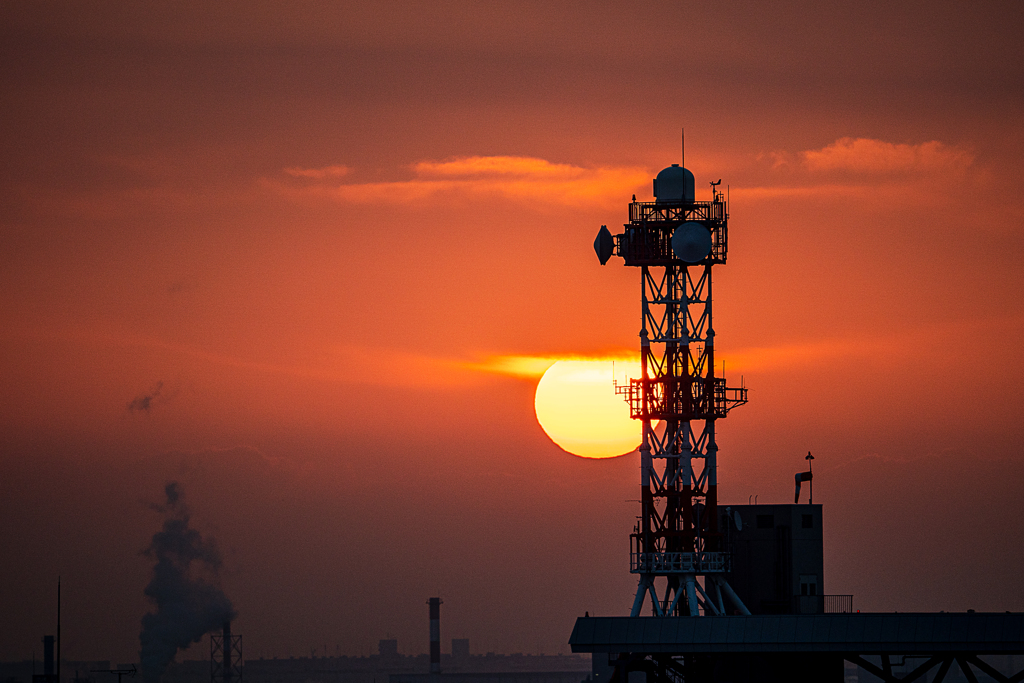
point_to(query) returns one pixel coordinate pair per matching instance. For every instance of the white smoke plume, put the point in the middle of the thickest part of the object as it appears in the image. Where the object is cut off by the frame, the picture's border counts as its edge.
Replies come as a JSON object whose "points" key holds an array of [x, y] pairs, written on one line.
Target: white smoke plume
{"points": [[184, 589]]}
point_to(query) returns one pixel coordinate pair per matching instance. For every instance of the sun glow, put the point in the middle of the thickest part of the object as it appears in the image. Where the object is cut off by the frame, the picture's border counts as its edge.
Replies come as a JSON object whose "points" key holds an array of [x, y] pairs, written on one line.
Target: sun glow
{"points": [[578, 409]]}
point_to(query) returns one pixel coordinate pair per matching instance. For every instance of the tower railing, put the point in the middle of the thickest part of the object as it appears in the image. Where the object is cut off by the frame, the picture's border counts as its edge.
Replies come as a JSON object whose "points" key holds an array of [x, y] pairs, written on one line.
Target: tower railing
{"points": [[707, 562], [647, 239], [725, 399]]}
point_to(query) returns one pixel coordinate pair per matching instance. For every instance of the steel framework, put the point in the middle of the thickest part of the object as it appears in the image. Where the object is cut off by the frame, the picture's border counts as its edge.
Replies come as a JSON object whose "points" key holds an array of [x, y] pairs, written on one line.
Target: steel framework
{"points": [[226, 657], [677, 536]]}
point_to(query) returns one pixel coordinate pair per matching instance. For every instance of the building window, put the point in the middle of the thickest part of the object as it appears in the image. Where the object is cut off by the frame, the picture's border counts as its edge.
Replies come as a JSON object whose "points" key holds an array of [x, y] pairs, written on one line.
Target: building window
{"points": [[766, 521], [808, 584], [808, 521]]}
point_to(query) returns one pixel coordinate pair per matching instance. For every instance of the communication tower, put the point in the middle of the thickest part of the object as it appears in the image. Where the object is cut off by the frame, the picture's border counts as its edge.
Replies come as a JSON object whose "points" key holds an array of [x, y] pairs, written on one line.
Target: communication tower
{"points": [[674, 241]]}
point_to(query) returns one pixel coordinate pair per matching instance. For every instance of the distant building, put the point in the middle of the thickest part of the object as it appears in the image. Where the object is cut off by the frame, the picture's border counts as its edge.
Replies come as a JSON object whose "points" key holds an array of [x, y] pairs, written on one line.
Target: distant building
{"points": [[388, 663], [462, 667], [460, 650], [24, 671]]}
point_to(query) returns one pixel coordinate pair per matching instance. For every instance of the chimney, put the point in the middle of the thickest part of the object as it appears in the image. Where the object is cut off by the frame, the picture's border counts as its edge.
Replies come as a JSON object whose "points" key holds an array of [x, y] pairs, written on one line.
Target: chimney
{"points": [[227, 652], [435, 635], [48, 657]]}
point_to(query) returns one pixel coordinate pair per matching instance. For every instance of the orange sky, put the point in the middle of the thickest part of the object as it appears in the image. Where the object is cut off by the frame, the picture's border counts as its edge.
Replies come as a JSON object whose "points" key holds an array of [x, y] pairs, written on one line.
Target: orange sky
{"points": [[311, 234]]}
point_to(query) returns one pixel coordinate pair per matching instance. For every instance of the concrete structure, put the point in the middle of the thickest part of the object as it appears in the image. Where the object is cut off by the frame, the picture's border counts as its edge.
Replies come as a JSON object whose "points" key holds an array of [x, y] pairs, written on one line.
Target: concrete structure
{"points": [[777, 557], [807, 649]]}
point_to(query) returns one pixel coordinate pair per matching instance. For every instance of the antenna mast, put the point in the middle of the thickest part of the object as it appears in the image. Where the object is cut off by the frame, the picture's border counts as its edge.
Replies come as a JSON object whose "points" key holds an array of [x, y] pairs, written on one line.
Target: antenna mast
{"points": [[676, 547]]}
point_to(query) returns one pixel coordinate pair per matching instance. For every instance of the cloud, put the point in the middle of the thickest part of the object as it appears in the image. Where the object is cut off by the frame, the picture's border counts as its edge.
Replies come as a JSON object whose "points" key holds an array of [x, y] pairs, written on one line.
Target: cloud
{"points": [[498, 166], [145, 401], [865, 155], [863, 169], [516, 178], [923, 344], [800, 355], [318, 173], [741, 360], [516, 366], [804, 191], [535, 366]]}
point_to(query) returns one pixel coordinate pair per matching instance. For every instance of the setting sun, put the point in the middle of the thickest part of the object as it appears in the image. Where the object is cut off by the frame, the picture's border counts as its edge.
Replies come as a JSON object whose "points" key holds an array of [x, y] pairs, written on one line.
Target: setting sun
{"points": [[577, 406]]}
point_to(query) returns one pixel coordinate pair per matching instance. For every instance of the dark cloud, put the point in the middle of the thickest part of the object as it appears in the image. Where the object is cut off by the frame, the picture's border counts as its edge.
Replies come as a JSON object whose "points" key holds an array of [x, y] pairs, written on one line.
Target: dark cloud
{"points": [[184, 588], [145, 401]]}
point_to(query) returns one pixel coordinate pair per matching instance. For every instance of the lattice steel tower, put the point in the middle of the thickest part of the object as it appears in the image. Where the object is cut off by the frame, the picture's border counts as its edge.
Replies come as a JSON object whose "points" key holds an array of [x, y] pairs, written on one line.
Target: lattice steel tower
{"points": [[675, 241]]}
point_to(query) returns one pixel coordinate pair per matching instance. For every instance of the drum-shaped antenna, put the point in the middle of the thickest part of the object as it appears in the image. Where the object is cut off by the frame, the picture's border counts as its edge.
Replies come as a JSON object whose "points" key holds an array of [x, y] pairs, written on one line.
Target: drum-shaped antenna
{"points": [[604, 245]]}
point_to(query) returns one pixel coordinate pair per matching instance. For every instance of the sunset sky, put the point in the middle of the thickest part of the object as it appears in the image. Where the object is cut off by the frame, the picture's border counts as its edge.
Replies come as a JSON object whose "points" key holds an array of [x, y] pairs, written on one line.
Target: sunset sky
{"points": [[310, 260]]}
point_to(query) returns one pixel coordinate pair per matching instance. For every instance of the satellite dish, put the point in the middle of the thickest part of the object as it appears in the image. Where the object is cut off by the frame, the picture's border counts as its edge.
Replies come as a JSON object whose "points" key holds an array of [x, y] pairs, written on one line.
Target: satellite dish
{"points": [[739, 520], [604, 245], [691, 242]]}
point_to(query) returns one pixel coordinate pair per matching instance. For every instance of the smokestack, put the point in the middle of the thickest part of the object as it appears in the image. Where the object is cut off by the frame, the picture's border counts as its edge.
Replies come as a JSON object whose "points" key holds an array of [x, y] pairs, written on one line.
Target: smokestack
{"points": [[435, 635], [48, 657], [227, 652]]}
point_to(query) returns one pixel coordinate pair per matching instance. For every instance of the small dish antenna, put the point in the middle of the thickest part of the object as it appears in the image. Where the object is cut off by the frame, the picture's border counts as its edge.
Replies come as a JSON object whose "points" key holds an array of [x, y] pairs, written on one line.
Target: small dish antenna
{"points": [[691, 242], [737, 519]]}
